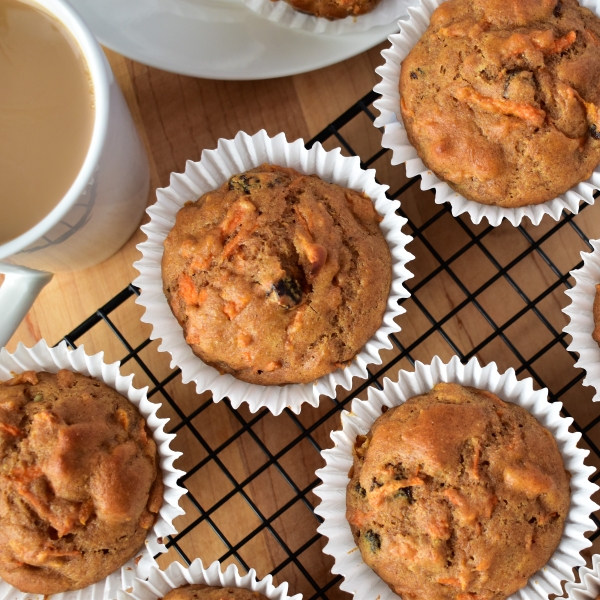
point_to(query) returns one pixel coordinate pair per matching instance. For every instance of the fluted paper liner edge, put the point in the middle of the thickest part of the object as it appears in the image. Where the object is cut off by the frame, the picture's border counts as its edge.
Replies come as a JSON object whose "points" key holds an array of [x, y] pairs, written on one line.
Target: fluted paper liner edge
{"points": [[588, 587], [43, 358], [581, 323], [159, 583], [215, 168], [395, 137], [360, 579]]}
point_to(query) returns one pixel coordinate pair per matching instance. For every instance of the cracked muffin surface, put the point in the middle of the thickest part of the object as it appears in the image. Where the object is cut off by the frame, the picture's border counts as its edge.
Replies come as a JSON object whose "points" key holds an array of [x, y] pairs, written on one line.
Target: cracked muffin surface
{"points": [[199, 591], [277, 277], [501, 98], [334, 9], [80, 483], [457, 495]]}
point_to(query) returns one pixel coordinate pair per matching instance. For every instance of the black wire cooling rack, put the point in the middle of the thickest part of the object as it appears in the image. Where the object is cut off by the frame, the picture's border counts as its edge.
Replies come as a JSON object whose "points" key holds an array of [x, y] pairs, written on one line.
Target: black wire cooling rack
{"points": [[491, 292]]}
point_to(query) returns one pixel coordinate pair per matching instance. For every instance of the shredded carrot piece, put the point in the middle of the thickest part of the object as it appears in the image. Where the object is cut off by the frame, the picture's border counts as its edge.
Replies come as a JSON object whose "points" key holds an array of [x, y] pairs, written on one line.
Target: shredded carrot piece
{"points": [[187, 290], [11, 430], [25, 475], [556, 46], [50, 553], [526, 112], [378, 495], [564, 42], [242, 214], [450, 581], [123, 419], [232, 310], [592, 113], [86, 510], [62, 526], [243, 339], [272, 366]]}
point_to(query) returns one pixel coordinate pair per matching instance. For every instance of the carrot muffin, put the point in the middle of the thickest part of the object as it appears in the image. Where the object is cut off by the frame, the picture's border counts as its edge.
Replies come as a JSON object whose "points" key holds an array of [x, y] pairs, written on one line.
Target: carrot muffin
{"points": [[277, 277], [501, 98], [80, 483], [456, 495], [205, 592], [596, 314], [334, 9]]}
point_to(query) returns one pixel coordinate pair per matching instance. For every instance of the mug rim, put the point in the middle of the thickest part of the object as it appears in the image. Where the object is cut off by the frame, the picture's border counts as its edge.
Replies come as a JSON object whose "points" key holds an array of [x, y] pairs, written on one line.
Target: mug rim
{"points": [[98, 72]]}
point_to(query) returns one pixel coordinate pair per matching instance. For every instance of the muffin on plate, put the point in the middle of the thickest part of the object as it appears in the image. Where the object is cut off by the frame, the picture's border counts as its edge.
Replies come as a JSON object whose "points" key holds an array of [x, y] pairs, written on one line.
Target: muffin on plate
{"points": [[501, 98], [334, 9], [277, 277], [199, 591], [80, 483], [456, 494]]}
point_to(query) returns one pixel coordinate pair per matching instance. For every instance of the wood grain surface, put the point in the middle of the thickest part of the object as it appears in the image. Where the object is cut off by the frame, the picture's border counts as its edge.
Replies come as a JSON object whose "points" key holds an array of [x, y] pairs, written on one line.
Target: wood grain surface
{"points": [[262, 481]]}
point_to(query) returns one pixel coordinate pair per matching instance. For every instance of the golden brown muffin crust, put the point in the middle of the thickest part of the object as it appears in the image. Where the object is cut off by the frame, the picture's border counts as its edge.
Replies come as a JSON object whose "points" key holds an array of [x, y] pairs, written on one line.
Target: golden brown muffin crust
{"points": [[457, 495], [79, 481], [501, 98], [277, 277], [334, 9], [205, 592], [596, 315]]}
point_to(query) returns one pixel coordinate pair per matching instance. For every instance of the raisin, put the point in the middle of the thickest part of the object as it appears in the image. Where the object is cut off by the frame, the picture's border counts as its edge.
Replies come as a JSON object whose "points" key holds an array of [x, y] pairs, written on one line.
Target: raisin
{"points": [[384, 409], [594, 132], [288, 291], [360, 490], [375, 484], [373, 540], [244, 183], [413, 75], [398, 471], [405, 493], [557, 12]]}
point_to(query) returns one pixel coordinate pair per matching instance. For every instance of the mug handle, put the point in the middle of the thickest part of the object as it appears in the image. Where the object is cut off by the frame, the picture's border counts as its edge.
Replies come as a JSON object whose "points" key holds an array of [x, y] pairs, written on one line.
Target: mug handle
{"points": [[20, 288]]}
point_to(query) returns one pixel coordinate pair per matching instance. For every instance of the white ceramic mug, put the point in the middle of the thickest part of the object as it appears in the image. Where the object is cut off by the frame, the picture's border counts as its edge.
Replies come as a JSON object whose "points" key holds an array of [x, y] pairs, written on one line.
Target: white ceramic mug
{"points": [[104, 205]]}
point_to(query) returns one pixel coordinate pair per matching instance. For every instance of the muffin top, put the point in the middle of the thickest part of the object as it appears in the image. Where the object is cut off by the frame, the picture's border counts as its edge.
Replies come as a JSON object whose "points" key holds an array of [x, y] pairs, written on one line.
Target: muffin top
{"points": [[334, 9], [205, 592], [277, 277], [79, 481], [501, 98], [456, 494]]}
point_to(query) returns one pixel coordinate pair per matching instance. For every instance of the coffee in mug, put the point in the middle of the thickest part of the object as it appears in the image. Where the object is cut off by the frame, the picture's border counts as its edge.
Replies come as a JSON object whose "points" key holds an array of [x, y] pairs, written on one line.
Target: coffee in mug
{"points": [[74, 175], [46, 114]]}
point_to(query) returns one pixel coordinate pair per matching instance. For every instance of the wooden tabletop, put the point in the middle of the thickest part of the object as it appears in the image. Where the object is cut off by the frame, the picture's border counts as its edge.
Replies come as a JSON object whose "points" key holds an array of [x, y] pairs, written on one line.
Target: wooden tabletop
{"points": [[178, 117]]}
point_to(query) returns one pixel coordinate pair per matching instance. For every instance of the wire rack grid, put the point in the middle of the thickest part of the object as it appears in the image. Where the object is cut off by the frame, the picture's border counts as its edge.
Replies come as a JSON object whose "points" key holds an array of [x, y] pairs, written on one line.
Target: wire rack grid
{"points": [[494, 293]]}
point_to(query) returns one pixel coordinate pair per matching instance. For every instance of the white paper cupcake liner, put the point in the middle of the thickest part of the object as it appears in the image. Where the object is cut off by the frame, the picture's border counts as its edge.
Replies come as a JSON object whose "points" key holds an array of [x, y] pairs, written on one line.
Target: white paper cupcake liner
{"points": [[588, 587], [43, 358], [396, 139], [159, 583], [215, 168], [359, 579], [581, 326], [386, 12]]}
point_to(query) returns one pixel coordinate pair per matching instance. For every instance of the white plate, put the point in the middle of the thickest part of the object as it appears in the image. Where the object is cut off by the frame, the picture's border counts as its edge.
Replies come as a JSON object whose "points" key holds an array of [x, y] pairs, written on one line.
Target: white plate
{"points": [[216, 39]]}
